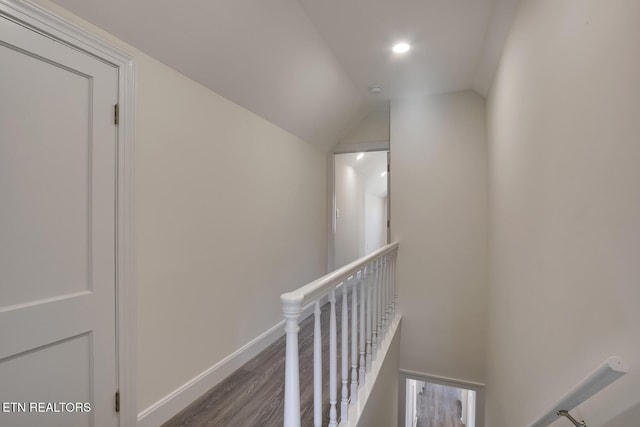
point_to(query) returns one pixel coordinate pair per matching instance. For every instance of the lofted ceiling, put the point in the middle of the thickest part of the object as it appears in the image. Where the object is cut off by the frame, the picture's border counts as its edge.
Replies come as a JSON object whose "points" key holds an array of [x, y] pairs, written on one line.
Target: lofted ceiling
{"points": [[305, 65]]}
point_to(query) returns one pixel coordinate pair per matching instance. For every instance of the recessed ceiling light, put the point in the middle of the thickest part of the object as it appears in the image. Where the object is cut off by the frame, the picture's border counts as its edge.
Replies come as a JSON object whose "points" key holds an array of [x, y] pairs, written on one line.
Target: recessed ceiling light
{"points": [[383, 173], [401, 47], [375, 89], [361, 155]]}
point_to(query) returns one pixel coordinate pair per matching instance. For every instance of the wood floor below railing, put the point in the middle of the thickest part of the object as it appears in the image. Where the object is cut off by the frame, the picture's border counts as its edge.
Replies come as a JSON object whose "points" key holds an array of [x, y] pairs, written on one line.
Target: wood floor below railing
{"points": [[253, 396]]}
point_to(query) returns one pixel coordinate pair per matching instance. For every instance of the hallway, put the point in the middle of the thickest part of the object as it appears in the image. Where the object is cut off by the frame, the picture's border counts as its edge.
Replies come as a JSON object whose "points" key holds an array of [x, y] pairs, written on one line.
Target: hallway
{"points": [[513, 137]]}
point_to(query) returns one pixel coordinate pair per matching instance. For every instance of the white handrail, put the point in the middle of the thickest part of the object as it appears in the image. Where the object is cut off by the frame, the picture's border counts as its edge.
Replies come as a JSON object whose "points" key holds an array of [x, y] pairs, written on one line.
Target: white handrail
{"points": [[374, 274], [321, 286], [612, 369]]}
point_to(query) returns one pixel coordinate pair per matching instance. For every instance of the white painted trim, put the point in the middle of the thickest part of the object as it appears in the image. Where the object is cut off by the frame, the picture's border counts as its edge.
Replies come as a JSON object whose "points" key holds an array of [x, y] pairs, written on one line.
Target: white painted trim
{"points": [[360, 147], [438, 379], [43, 21], [174, 402], [479, 388], [126, 267], [171, 404], [331, 206]]}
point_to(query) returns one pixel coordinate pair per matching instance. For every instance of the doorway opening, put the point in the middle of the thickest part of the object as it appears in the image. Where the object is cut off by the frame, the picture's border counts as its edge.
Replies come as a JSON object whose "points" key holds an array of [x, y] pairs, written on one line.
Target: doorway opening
{"points": [[438, 405], [360, 205], [434, 401]]}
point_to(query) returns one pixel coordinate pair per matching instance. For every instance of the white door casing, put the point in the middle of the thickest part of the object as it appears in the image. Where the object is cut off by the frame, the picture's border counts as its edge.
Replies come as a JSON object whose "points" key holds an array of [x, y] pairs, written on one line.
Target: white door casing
{"points": [[65, 182]]}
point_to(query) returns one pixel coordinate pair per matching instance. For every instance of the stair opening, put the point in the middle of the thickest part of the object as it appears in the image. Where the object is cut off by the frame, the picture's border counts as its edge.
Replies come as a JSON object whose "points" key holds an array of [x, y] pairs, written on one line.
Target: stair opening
{"points": [[437, 405], [430, 401]]}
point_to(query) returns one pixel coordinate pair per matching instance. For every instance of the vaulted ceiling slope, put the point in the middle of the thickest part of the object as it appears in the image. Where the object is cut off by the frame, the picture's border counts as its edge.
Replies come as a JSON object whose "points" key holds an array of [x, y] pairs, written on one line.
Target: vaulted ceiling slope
{"points": [[305, 65]]}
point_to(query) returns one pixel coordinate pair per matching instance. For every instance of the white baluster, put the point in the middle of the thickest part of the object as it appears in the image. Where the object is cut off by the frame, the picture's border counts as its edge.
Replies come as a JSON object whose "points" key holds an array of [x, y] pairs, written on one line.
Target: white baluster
{"points": [[291, 308], [380, 302], [383, 298], [386, 292], [375, 294], [379, 308], [354, 336], [393, 286], [317, 367], [333, 362], [389, 318], [369, 307], [363, 349], [374, 314], [345, 351], [395, 279]]}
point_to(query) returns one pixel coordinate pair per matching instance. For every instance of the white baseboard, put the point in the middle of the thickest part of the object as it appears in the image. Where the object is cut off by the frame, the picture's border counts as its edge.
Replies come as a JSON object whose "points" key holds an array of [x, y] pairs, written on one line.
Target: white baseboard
{"points": [[170, 405]]}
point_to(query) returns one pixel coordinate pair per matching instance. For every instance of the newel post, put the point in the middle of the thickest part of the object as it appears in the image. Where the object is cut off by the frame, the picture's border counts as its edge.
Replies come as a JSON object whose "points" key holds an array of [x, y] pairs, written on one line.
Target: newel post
{"points": [[291, 309]]}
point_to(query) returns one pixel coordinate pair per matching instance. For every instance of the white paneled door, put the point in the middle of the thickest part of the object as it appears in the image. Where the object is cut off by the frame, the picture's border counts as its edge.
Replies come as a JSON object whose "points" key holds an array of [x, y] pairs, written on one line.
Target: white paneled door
{"points": [[58, 363]]}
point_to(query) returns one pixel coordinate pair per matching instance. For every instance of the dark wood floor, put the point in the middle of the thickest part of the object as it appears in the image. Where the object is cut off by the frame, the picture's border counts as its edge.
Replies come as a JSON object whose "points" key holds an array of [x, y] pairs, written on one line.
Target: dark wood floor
{"points": [[254, 394], [439, 406]]}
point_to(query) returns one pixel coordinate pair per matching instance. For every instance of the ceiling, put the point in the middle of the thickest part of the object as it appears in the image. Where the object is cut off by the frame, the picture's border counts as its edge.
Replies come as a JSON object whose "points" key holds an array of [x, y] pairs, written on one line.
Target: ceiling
{"points": [[305, 65]]}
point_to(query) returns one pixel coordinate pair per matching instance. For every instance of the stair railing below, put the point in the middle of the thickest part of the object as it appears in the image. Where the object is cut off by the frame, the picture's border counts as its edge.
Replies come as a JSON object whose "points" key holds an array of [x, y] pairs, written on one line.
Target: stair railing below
{"points": [[373, 286], [612, 369]]}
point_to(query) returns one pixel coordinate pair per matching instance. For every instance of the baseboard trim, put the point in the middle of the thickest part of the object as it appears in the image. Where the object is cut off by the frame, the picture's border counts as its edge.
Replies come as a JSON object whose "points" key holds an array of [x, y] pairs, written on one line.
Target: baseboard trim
{"points": [[171, 404]]}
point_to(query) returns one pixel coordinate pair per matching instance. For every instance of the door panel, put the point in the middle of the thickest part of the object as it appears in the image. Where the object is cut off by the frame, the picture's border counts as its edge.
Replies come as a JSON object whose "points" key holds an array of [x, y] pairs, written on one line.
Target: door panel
{"points": [[36, 215], [57, 230], [41, 373]]}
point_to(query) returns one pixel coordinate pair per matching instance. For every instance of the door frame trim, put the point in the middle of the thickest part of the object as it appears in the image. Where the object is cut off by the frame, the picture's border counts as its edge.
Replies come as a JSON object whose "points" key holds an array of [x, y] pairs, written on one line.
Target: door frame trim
{"points": [[361, 147], [43, 21], [404, 375]]}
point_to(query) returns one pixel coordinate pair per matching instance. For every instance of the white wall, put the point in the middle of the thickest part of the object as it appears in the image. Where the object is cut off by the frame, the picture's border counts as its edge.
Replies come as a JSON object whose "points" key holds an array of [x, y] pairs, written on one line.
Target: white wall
{"points": [[439, 214], [381, 409], [564, 131], [230, 213], [375, 227], [374, 127], [628, 418], [349, 222]]}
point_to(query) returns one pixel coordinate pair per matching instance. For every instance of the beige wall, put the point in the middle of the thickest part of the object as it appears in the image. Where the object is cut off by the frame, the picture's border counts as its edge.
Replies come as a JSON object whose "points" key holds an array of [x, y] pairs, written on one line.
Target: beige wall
{"points": [[439, 214], [381, 409], [626, 419], [375, 222], [230, 213], [374, 127], [564, 131], [349, 233]]}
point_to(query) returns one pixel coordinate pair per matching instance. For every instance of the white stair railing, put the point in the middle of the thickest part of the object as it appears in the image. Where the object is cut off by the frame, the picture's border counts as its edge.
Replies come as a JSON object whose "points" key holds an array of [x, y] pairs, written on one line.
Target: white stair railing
{"points": [[612, 369], [372, 281]]}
